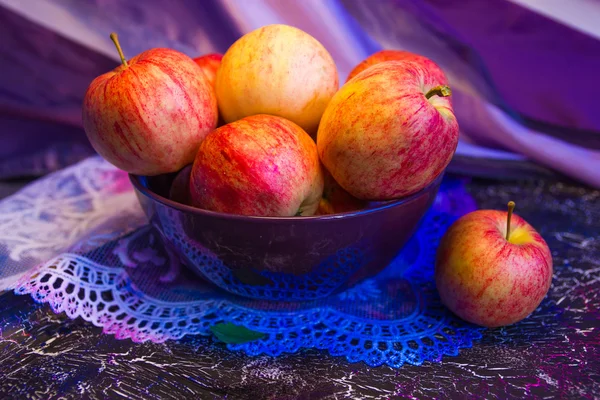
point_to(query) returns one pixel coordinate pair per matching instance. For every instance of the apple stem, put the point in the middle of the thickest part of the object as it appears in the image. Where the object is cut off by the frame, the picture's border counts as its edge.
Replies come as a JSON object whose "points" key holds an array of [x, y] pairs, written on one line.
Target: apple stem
{"points": [[511, 207], [442, 91], [115, 39]]}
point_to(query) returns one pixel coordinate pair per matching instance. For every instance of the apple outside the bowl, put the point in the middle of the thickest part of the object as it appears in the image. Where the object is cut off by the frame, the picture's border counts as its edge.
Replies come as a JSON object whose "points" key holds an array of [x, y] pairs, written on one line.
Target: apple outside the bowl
{"points": [[493, 268]]}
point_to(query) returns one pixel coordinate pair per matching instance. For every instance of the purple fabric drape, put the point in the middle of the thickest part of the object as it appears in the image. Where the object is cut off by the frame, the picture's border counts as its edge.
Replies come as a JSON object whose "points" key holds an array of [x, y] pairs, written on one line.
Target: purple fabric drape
{"points": [[541, 70], [523, 83], [513, 89], [44, 74], [43, 77]]}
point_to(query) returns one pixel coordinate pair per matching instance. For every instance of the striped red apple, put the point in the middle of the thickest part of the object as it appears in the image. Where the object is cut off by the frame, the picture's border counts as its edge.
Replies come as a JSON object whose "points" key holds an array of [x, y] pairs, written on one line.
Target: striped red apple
{"points": [[149, 115], [210, 65], [493, 268], [389, 131], [260, 165], [399, 55]]}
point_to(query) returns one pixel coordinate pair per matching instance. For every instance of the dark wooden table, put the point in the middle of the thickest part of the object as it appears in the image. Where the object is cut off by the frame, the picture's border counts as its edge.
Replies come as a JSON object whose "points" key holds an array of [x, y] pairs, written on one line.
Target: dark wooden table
{"points": [[553, 354]]}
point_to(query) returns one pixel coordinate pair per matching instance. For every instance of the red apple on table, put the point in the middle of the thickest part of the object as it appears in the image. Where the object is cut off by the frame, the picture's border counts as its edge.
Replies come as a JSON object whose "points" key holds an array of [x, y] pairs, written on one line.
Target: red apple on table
{"points": [[399, 55], [149, 115], [336, 200], [389, 131], [210, 64], [493, 268], [261, 165]]}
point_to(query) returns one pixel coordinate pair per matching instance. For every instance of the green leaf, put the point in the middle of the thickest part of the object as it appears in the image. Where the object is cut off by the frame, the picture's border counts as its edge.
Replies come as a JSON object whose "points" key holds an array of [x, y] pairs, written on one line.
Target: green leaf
{"points": [[235, 334]]}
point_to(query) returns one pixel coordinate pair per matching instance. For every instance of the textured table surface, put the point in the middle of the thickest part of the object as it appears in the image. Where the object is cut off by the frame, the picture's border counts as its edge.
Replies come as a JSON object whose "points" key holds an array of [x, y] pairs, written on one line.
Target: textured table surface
{"points": [[554, 353]]}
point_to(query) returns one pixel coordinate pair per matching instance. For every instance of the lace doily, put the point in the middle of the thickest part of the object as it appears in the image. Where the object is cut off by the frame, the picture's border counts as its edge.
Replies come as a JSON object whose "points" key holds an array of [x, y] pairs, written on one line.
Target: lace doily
{"points": [[113, 271], [77, 208]]}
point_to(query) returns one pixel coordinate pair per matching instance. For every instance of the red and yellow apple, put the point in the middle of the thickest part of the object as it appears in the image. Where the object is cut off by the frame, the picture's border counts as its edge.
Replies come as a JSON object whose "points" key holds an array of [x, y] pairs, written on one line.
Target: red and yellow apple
{"points": [[260, 165], [210, 64], [277, 70], [149, 115], [490, 272], [389, 131], [336, 200], [399, 55]]}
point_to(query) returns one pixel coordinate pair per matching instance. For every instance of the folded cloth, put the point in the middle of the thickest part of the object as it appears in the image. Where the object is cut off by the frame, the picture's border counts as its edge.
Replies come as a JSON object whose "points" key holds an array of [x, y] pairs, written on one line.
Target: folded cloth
{"points": [[512, 70]]}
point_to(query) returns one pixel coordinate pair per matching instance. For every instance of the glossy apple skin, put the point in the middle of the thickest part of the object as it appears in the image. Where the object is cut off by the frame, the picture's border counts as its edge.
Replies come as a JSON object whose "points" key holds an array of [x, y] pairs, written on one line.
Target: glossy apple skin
{"points": [[210, 64], [381, 138], [399, 55], [261, 165], [336, 200], [277, 70], [149, 118], [487, 280]]}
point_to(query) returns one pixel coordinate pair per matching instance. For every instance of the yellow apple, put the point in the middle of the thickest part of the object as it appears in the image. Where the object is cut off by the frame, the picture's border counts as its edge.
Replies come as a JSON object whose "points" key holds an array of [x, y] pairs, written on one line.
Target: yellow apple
{"points": [[277, 70]]}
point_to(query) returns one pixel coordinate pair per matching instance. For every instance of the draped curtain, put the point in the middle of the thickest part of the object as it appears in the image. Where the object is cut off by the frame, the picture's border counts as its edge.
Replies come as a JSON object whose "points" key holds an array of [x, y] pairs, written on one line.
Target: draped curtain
{"points": [[524, 73]]}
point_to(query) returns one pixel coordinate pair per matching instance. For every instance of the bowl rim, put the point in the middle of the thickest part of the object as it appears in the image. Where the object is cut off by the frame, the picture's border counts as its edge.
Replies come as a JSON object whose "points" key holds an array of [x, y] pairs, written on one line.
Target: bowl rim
{"points": [[136, 181]]}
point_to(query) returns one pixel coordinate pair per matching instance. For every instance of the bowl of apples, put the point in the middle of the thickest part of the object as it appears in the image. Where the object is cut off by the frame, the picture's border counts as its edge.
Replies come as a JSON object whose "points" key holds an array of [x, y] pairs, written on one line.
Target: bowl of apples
{"points": [[261, 174]]}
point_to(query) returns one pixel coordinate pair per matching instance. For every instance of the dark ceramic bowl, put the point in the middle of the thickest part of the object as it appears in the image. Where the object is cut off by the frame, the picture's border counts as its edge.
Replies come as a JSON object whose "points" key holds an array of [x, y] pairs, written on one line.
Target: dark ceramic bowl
{"points": [[291, 258]]}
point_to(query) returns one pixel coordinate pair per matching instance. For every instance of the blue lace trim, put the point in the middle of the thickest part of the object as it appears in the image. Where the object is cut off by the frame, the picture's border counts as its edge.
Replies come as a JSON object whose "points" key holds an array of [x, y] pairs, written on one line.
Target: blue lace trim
{"points": [[129, 288]]}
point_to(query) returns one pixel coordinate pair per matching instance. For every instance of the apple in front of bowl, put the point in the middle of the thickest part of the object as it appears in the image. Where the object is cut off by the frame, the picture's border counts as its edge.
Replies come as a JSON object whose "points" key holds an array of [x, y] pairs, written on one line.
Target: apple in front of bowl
{"points": [[277, 70], [493, 269], [399, 55], [389, 131], [260, 165], [149, 115], [210, 65]]}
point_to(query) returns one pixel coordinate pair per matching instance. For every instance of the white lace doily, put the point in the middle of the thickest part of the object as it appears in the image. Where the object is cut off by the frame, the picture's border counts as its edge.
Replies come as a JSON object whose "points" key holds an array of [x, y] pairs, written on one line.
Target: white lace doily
{"points": [[75, 209]]}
